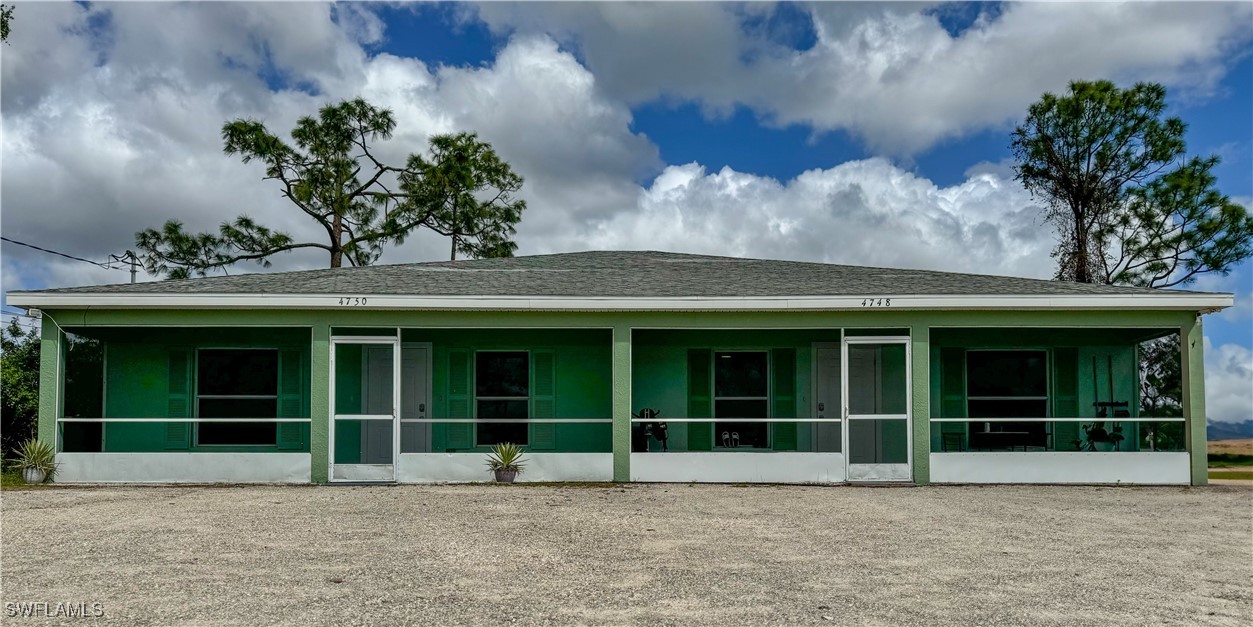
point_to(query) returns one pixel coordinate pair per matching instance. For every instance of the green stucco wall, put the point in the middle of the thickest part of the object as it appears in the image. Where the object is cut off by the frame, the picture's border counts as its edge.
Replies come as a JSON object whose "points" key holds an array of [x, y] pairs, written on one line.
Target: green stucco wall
{"points": [[136, 381], [583, 371], [1083, 365], [659, 369], [617, 345]]}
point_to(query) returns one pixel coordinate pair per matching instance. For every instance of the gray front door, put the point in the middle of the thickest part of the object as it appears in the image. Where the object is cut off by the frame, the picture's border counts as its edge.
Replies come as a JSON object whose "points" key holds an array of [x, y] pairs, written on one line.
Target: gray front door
{"points": [[415, 401], [827, 405]]}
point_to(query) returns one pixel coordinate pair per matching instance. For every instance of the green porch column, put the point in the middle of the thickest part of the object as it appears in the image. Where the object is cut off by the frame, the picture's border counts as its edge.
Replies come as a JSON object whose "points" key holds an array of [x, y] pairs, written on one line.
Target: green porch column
{"points": [[621, 402], [920, 388], [320, 402], [51, 346], [1192, 343]]}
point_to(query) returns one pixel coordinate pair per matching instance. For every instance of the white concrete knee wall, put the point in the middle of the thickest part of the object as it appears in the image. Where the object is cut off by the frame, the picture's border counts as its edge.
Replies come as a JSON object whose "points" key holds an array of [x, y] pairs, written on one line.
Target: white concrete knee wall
{"points": [[471, 467], [183, 468], [726, 467], [1061, 467]]}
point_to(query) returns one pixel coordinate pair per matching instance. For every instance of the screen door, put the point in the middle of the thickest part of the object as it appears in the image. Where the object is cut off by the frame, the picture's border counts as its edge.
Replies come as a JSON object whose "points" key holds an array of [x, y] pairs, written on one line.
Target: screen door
{"points": [[365, 397], [876, 386]]}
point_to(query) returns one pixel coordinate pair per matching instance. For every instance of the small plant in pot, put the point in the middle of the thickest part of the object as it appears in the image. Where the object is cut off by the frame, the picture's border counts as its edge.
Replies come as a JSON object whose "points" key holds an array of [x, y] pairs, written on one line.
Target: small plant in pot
{"points": [[38, 461], [505, 461]]}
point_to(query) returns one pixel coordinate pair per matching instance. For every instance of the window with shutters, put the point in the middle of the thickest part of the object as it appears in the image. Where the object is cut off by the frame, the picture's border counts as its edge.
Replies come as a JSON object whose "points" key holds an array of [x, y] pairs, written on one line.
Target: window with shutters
{"points": [[1007, 384], [502, 391], [741, 390], [238, 384]]}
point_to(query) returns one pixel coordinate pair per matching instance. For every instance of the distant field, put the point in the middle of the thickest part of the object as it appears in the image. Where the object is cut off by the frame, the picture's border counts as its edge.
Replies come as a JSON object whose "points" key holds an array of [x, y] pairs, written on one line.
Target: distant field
{"points": [[1228, 474], [1236, 447], [1232, 454]]}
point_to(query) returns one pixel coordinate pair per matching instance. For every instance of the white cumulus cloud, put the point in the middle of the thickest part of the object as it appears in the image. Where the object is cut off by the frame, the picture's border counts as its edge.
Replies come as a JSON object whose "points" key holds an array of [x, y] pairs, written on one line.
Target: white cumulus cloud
{"points": [[1228, 382]]}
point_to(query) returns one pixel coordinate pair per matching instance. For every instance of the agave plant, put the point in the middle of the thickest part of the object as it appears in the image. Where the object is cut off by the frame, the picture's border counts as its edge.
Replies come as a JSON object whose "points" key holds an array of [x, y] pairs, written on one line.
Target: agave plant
{"points": [[505, 460], [37, 459]]}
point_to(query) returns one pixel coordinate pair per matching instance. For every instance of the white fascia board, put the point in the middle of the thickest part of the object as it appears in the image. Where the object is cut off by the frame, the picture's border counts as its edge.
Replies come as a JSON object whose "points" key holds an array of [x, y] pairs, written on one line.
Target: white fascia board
{"points": [[1204, 302]]}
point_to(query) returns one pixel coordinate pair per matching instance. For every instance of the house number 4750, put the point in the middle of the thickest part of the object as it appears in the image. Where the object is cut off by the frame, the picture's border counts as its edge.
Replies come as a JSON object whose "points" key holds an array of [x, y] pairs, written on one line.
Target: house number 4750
{"points": [[876, 302], [352, 301]]}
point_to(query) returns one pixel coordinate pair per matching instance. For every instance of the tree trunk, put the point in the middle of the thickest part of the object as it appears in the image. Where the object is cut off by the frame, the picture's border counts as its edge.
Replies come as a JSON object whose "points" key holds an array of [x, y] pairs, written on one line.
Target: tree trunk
{"points": [[454, 248], [1081, 272], [337, 230], [1081, 255]]}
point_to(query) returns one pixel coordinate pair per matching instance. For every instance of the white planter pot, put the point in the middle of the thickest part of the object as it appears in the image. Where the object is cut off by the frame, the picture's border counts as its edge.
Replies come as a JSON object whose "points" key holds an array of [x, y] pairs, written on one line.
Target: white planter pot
{"points": [[34, 475]]}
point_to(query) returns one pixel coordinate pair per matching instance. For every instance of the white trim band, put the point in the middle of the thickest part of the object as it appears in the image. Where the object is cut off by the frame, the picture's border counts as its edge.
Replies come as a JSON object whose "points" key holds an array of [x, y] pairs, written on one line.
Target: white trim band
{"points": [[1157, 301], [469, 467], [183, 468], [1068, 467], [726, 467]]}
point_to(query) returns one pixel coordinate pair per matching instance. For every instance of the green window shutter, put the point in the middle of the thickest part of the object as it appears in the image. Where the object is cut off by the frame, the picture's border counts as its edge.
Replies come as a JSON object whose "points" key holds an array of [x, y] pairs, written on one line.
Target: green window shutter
{"points": [[458, 435], [291, 399], [178, 399], [953, 382], [699, 399], [783, 397], [543, 392]]}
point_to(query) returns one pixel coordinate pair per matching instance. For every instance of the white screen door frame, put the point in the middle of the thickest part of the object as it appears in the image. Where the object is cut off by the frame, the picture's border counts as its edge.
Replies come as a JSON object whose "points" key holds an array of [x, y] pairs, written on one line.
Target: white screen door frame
{"points": [[366, 471], [877, 472]]}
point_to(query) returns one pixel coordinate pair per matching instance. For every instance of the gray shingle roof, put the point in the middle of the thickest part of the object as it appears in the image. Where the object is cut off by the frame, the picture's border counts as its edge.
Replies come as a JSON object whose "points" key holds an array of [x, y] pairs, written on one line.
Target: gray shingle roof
{"points": [[612, 274]]}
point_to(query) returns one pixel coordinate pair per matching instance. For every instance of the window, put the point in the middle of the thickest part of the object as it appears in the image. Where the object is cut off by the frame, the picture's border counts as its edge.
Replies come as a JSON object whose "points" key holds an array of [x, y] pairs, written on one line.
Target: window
{"points": [[741, 390], [1007, 384], [502, 391], [237, 383]]}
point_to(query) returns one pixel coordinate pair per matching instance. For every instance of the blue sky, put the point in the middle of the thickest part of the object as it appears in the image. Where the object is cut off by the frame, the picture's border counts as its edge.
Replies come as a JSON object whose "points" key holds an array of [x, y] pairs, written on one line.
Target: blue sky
{"points": [[838, 132], [746, 141]]}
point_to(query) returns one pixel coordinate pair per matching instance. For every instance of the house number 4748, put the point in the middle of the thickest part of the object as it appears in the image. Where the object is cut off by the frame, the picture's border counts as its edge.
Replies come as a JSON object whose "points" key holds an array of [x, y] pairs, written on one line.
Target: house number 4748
{"points": [[352, 301], [876, 302]]}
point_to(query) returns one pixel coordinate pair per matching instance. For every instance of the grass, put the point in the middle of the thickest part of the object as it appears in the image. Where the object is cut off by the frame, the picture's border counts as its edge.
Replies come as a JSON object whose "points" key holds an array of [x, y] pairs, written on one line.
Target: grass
{"points": [[1229, 460], [11, 479], [1239, 475]]}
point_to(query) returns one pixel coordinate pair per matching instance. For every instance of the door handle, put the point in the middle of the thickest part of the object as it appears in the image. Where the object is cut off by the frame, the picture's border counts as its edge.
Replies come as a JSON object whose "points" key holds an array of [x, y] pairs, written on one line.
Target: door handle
{"points": [[822, 406], [421, 407]]}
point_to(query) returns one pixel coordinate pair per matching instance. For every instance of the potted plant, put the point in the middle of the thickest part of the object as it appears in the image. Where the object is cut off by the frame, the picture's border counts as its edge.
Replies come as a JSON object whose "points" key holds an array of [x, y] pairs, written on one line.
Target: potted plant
{"points": [[505, 461], [38, 461]]}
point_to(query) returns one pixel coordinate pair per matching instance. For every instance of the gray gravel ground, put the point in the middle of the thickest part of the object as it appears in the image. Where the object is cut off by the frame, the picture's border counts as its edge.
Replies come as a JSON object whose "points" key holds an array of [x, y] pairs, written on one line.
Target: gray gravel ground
{"points": [[639, 554]]}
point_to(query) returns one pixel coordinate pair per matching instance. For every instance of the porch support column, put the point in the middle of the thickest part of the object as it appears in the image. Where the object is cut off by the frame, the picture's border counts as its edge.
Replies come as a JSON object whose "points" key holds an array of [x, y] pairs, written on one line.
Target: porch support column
{"points": [[320, 402], [51, 347], [1192, 345], [920, 388], [621, 402]]}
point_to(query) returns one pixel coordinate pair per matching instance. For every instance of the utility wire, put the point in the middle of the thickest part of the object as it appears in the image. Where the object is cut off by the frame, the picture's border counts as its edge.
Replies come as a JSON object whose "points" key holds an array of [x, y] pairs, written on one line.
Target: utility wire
{"points": [[29, 325], [53, 252]]}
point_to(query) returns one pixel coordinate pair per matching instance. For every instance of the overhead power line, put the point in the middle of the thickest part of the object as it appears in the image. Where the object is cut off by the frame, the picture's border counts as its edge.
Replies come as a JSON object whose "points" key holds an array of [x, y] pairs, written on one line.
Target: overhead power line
{"points": [[55, 252]]}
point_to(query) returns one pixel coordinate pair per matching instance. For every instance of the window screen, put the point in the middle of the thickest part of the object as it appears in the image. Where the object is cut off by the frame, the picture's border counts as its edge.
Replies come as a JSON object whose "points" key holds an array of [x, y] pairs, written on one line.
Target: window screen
{"points": [[237, 383], [502, 392], [741, 390], [1006, 384]]}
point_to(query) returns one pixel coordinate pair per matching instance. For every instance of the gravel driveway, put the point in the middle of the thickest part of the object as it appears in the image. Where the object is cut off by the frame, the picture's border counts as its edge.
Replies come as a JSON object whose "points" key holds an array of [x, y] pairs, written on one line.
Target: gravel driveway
{"points": [[638, 554]]}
